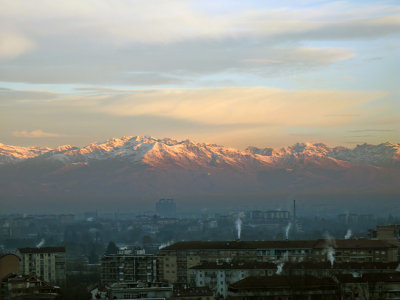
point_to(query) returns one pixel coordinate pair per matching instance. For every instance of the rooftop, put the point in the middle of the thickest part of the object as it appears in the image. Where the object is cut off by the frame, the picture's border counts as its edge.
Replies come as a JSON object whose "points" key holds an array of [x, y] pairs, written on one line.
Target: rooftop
{"points": [[252, 245], [42, 250], [282, 281], [228, 245], [238, 265]]}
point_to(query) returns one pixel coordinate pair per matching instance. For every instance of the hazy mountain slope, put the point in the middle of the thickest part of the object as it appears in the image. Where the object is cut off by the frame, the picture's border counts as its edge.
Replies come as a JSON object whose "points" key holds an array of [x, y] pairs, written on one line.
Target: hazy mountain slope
{"points": [[145, 167]]}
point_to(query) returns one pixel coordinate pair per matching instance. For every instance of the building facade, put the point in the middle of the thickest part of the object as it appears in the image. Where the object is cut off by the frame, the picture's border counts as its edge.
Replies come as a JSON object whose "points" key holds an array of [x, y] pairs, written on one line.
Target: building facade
{"points": [[47, 263], [136, 290], [284, 288], [177, 259], [128, 266]]}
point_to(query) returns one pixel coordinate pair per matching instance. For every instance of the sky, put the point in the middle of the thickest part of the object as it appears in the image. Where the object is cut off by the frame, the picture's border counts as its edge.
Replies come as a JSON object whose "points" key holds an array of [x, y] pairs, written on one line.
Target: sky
{"points": [[236, 73]]}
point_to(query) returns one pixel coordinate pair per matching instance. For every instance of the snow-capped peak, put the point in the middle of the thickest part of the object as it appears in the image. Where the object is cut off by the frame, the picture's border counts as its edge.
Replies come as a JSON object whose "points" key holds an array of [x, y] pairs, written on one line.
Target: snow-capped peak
{"points": [[10, 153]]}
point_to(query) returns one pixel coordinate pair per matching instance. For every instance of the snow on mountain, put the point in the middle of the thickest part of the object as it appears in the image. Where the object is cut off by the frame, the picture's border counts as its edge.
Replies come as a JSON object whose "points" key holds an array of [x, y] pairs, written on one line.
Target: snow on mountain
{"points": [[187, 154], [382, 155], [15, 153], [128, 168]]}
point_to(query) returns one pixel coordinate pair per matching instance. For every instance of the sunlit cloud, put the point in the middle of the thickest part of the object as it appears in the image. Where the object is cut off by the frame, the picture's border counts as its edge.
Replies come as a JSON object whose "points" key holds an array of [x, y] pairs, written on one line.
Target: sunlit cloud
{"points": [[35, 134], [13, 45], [255, 105]]}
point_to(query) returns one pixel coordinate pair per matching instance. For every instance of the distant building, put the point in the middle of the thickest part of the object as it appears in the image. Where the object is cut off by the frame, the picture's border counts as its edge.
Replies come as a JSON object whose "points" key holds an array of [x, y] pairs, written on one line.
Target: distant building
{"points": [[353, 219], [90, 215], [166, 207], [47, 263], [66, 219], [128, 266], [259, 217]]}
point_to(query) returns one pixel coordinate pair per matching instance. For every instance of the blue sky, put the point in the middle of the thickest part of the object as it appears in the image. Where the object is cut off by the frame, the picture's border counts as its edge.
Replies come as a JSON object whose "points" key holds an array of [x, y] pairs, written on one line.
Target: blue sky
{"points": [[239, 73]]}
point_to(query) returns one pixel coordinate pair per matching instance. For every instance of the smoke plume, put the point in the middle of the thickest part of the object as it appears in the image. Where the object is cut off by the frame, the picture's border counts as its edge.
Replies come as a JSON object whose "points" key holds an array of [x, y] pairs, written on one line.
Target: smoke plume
{"points": [[287, 229], [40, 244], [348, 235], [238, 226]]}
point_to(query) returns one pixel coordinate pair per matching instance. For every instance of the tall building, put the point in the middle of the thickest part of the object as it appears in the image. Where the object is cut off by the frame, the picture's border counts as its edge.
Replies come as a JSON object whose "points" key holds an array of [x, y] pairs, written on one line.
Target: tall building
{"points": [[47, 263], [128, 266], [166, 207]]}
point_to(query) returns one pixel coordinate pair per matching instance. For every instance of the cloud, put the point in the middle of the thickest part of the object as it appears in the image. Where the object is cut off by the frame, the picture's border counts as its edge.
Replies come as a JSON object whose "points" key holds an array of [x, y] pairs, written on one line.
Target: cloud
{"points": [[151, 21], [240, 105], [10, 95], [34, 134], [13, 45], [176, 65], [236, 116], [310, 56], [153, 43], [224, 106]]}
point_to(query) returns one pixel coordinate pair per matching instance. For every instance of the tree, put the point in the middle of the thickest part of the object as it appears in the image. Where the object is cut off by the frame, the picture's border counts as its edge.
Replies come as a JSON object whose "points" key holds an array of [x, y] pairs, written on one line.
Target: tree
{"points": [[112, 248]]}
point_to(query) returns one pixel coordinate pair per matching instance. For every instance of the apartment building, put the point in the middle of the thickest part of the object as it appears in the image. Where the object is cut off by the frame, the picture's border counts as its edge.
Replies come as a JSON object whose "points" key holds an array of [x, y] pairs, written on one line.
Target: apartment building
{"points": [[47, 263], [177, 259], [128, 266]]}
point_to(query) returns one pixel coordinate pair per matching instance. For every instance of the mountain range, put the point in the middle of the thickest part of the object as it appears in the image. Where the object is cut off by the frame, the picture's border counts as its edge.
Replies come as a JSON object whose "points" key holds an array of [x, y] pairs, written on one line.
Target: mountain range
{"points": [[134, 169]]}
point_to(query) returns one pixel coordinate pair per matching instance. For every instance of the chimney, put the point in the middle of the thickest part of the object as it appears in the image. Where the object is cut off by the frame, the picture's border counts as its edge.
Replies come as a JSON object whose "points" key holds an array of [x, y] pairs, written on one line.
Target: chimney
{"points": [[294, 211], [294, 218]]}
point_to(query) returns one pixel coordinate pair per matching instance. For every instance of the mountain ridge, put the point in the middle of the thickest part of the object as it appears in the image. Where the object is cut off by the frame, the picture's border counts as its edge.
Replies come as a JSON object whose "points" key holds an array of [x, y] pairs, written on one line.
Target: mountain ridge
{"points": [[130, 170], [151, 151]]}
